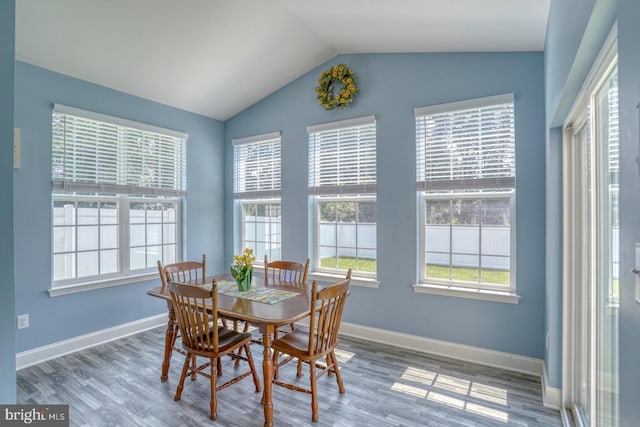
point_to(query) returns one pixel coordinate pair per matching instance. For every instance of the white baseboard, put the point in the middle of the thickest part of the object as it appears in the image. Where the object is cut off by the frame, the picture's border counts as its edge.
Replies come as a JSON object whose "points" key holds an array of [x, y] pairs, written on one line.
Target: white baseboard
{"points": [[512, 362], [551, 396], [60, 348]]}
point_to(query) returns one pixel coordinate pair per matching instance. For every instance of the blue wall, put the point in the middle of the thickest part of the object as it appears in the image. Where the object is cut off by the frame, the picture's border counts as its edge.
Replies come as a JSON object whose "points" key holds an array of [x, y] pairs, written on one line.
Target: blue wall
{"points": [[59, 318], [7, 285], [553, 257], [575, 33], [391, 85], [629, 90]]}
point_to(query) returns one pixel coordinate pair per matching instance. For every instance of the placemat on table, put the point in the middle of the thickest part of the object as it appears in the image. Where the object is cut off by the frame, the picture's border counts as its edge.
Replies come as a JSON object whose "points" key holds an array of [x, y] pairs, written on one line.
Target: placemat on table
{"points": [[264, 295]]}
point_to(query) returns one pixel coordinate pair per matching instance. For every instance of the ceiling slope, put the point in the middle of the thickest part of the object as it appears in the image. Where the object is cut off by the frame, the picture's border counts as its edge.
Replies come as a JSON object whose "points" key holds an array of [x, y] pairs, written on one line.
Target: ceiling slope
{"points": [[218, 57]]}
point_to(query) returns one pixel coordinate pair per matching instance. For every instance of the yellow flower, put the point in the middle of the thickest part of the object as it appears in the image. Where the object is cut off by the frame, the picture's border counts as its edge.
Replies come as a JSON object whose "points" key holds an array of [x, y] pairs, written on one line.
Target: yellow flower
{"points": [[246, 259]]}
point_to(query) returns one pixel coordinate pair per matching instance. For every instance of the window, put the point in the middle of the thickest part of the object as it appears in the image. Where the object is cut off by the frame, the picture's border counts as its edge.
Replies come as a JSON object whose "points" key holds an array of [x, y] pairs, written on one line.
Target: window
{"points": [[117, 188], [465, 155], [342, 182], [256, 171]]}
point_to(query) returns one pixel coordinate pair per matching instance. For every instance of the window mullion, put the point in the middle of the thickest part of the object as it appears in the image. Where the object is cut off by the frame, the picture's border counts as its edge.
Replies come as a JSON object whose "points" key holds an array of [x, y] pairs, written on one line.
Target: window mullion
{"points": [[450, 239], [124, 233], [480, 243]]}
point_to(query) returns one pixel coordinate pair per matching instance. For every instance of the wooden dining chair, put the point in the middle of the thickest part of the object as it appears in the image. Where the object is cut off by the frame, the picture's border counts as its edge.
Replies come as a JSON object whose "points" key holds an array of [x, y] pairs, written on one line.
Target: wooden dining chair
{"points": [[191, 272], [196, 313], [292, 273], [316, 342]]}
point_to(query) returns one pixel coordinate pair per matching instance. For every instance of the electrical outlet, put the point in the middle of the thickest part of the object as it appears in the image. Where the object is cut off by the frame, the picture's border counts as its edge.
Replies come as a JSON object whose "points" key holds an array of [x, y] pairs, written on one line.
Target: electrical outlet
{"points": [[23, 321]]}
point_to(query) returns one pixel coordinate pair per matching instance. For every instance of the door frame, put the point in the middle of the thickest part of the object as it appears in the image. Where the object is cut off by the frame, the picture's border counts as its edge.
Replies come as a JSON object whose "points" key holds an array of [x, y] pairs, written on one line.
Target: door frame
{"points": [[573, 267]]}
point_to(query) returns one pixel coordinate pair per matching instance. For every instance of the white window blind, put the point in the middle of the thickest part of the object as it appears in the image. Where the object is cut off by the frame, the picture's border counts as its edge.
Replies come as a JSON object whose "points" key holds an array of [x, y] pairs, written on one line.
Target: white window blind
{"points": [[97, 153], [342, 157], [256, 166], [467, 145]]}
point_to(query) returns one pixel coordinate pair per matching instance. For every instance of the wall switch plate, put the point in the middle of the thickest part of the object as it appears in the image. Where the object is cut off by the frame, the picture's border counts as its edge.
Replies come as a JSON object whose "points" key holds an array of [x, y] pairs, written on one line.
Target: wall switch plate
{"points": [[23, 321], [637, 267], [16, 148], [547, 343]]}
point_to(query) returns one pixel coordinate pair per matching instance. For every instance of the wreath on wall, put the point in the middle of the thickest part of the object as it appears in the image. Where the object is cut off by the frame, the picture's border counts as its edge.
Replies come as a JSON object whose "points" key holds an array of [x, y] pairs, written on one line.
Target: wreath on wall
{"points": [[328, 82]]}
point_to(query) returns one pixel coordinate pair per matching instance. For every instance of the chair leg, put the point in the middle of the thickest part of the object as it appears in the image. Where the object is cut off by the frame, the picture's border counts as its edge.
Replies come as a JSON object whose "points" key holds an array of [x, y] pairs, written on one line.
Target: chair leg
{"points": [[194, 364], [214, 402], [252, 366], [185, 366], [245, 329], [299, 368], [276, 371], [314, 392], [336, 369], [219, 366]]}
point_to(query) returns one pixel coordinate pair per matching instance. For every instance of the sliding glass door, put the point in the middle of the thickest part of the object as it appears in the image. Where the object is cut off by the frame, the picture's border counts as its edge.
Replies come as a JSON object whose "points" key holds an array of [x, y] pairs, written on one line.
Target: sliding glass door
{"points": [[591, 251], [604, 265]]}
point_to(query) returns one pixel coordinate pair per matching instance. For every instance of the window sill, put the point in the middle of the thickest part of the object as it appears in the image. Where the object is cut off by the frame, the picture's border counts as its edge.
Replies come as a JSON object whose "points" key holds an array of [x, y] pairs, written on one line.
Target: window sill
{"points": [[459, 292], [99, 284], [365, 282]]}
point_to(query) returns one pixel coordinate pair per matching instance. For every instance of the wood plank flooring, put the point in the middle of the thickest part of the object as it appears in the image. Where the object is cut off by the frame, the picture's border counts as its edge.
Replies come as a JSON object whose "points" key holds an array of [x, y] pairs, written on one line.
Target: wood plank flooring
{"points": [[118, 384]]}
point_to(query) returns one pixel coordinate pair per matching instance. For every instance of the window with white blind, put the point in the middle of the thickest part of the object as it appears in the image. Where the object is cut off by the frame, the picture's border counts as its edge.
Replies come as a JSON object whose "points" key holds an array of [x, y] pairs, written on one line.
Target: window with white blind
{"points": [[117, 189], [342, 182], [256, 183], [465, 155]]}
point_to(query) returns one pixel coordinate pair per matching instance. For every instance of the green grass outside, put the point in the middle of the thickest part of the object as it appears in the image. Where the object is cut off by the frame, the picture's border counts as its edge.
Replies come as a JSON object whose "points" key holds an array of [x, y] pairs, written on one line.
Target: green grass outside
{"points": [[344, 263], [466, 274], [434, 271]]}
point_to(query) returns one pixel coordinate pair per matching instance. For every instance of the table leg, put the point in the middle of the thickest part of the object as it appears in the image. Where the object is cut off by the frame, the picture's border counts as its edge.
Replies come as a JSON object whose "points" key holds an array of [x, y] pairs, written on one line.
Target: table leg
{"points": [[267, 372], [169, 340]]}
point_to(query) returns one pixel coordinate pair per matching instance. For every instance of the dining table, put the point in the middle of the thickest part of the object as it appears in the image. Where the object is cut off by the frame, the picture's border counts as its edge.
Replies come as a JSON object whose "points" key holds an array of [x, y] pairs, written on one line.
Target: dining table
{"points": [[266, 316]]}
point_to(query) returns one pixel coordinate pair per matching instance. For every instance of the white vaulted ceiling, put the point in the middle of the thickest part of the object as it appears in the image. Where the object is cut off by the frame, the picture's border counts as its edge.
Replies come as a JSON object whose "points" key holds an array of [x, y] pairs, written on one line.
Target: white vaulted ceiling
{"points": [[217, 57]]}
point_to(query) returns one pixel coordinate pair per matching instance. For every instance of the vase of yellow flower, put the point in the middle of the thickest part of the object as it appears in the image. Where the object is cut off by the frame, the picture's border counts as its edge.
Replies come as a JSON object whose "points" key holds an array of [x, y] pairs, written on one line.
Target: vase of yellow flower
{"points": [[242, 269]]}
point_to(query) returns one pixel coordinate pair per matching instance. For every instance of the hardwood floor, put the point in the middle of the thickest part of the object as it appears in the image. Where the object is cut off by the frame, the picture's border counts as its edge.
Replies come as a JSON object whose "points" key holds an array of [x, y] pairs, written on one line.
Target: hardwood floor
{"points": [[118, 384]]}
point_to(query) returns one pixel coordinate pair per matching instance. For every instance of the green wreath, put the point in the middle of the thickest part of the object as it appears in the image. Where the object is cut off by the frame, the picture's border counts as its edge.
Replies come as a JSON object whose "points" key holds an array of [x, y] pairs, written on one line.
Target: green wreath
{"points": [[329, 78]]}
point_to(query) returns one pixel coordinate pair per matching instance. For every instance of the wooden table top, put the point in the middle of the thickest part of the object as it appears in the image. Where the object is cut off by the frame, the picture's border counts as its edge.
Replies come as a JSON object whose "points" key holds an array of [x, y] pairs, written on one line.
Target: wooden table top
{"points": [[280, 313]]}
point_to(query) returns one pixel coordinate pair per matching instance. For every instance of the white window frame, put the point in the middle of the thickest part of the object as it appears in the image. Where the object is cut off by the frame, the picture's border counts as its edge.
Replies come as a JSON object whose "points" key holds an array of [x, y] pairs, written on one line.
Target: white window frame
{"points": [[465, 188], [338, 192], [424, 196], [317, 201], [243, 238], [244, 196], [65, 188], [124, 245]]}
